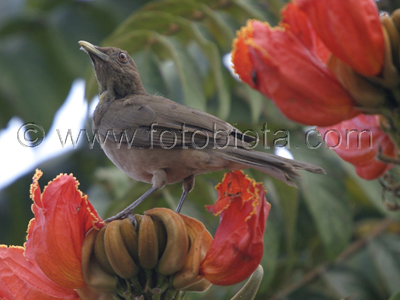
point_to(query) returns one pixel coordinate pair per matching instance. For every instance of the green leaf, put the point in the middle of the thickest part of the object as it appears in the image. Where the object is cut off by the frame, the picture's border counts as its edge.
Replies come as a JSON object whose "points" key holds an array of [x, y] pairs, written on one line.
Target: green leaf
{"points": [[310, 293], [196, 11], [362, 265], [327, 203], [347, 282], [158, 21], [243, 10], [191, 83], [250, 289], [214, 57], [326, 199], [33, 91], [386, 261], [371, 190], [256, 101], [150, 72], [395, 296], [223, 35], [272, 237], [184, 8], [289, 202]]}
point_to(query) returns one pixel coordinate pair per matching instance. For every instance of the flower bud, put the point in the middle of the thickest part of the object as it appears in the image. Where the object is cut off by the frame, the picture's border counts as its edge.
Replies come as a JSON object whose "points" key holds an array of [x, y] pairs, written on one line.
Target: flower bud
{"points": [[148, 244], [94, 275], [174, 256], [130, 238], [150, 256], [100, 251], [117, 253]]}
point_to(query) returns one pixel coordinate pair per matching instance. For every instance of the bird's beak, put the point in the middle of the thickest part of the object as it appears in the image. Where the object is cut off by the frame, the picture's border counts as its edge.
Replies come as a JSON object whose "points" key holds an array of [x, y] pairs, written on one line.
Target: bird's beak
{"points": [[92, 50]]}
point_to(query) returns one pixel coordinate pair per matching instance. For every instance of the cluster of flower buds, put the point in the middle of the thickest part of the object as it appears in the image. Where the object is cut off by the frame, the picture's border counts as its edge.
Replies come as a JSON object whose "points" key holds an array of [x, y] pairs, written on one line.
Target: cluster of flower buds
{"points": [[332, 64], [159, 253], [72, 254]]}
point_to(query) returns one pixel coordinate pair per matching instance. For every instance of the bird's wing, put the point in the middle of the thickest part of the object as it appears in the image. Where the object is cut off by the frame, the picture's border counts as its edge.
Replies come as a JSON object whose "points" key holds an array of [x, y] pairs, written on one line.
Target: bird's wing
{"points": [[152, 121]]}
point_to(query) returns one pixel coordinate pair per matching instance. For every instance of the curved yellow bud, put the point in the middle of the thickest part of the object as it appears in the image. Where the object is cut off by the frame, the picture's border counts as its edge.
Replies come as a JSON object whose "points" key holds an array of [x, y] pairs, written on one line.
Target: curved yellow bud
{"points": [[100, 251], [176, 251], [92, 273], [119, 257], [130, 238], [148, 243], [189, 274]]}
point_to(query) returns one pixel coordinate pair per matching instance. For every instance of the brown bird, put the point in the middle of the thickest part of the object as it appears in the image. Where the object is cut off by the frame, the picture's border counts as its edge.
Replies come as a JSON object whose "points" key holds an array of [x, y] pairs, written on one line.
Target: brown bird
{"points": [[156, 140]]}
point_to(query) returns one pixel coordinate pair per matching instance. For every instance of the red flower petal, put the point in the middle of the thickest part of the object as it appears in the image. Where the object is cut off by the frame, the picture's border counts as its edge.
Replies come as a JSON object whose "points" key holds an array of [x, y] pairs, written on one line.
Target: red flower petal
{"points": [[277, 63], [21, 279], [63, 215], [301, 27], [241, 56], [357, 141], [351, 30], [238, 246]]}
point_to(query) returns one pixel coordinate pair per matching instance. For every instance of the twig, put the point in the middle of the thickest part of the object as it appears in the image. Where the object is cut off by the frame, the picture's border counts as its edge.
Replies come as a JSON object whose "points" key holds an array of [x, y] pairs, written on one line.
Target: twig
{"points": [[349, 251]]}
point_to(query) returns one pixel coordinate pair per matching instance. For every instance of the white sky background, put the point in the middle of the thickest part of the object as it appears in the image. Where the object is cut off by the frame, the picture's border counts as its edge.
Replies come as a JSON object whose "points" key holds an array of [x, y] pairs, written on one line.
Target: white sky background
{"points": [[17, 160]]}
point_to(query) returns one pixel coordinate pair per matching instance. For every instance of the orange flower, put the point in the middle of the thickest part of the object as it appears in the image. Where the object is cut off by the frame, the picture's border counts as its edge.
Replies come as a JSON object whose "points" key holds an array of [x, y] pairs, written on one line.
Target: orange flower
{"points": [[286, 64], [238, 246], [357, 141], [64, 238], [21, 279], [351, 30], [50, 265], [63, 216], [302, 29], [289, 63]]}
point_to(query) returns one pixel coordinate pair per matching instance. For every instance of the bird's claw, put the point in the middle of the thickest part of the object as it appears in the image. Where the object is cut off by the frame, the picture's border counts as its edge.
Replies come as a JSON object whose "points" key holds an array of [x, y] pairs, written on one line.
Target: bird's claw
{"points": [[120, 216]]}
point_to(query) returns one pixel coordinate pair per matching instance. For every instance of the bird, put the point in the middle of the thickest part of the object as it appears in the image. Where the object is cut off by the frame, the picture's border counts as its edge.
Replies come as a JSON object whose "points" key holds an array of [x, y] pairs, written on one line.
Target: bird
{"points": [[159, 141]]}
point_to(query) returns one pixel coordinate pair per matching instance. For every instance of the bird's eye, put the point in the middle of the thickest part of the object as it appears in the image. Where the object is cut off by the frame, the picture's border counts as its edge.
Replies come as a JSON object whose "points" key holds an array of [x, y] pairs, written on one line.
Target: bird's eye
{"points": [[122, 56]]}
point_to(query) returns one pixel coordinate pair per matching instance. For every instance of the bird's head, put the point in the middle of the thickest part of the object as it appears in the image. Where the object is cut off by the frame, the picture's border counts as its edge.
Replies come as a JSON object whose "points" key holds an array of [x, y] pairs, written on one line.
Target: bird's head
{"points": [[115, 70]]}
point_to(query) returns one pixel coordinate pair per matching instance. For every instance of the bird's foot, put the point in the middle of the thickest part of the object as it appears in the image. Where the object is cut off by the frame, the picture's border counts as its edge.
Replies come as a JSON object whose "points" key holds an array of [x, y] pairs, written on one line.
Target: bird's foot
{"points": [[126, 213]]}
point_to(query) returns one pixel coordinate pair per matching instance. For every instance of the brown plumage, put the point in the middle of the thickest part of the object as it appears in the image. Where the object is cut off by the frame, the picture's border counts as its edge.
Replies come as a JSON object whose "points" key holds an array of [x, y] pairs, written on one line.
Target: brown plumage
{"points": [[156, 140]]}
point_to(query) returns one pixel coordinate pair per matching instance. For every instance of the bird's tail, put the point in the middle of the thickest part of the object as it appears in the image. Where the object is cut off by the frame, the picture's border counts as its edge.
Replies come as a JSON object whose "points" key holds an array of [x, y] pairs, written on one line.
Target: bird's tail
{"points": [[281, 168]]}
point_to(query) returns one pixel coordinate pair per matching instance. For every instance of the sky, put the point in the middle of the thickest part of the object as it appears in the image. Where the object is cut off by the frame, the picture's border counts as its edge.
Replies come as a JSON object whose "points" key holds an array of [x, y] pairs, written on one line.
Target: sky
{"points": [[27, 145]]}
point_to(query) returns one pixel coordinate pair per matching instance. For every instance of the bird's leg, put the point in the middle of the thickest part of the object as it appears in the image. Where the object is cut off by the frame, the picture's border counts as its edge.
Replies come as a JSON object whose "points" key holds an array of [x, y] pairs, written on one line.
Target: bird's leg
{"points": [[128, 210], [158, 180], [188, 184]]}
